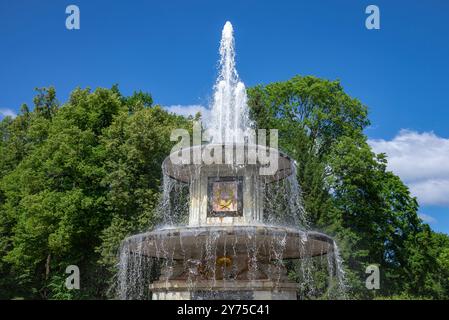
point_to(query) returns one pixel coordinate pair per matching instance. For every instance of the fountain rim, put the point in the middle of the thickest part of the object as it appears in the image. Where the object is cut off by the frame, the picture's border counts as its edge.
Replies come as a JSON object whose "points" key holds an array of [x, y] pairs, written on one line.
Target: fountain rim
{"points": [[310, 243], [183, 172]]}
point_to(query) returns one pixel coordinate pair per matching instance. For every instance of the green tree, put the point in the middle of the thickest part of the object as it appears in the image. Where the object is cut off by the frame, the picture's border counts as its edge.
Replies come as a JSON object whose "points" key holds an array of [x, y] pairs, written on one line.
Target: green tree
{"points": [[75, 180], [347, 189], [135, 146]]}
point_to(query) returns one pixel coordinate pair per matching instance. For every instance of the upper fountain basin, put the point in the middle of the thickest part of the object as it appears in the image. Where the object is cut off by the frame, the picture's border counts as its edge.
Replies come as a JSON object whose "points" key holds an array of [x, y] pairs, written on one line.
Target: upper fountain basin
{"points": [[185, 172]]}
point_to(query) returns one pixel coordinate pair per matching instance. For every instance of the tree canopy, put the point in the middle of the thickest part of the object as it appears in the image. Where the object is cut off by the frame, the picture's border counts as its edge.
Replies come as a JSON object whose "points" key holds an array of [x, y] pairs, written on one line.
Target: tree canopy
{"points": [[348, 190]]}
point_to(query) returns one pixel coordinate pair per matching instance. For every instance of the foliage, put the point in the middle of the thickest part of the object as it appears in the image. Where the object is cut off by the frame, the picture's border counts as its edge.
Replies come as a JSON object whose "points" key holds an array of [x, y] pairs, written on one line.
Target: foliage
{"points": [[348, 191], [75, 180]]}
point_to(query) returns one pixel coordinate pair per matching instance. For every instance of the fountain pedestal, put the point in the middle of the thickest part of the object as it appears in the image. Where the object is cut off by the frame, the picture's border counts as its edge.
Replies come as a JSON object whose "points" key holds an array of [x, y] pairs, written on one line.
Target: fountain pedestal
{"points": [[228, 261], [226, 251], [224, 290]]}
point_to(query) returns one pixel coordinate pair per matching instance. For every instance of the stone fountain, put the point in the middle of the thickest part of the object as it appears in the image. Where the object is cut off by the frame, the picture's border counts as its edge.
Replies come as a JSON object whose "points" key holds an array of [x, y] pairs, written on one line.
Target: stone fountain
{"points": [[228, 228]]}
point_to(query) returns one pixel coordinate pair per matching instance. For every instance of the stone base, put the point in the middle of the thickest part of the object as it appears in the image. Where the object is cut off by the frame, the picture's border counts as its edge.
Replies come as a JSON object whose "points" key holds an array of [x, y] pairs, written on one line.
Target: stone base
{"points": [[223, 290]]}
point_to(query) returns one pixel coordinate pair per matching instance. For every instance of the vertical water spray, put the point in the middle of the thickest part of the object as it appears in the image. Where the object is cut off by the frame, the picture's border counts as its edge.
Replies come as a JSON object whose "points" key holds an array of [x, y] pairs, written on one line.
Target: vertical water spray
{"points": [[230, 120]]}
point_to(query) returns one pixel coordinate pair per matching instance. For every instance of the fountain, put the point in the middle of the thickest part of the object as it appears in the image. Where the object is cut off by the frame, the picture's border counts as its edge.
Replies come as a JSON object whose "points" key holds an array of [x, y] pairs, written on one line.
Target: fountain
{"points": [[228, 229]]}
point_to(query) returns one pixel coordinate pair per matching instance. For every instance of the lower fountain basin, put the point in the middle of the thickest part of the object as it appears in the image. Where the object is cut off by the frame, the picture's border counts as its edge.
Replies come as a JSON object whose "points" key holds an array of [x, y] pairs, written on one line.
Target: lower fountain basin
{"points": [[194, 242]]}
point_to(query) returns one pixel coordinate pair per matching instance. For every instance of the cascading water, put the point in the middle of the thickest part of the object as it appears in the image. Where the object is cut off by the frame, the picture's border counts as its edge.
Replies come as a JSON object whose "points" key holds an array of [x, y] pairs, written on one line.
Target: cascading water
{"points": [[264, 242]]}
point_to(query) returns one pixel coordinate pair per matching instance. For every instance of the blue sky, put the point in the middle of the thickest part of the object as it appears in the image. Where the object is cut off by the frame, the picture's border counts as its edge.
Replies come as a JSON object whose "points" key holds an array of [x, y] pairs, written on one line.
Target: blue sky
{"points": [[170, 49]]}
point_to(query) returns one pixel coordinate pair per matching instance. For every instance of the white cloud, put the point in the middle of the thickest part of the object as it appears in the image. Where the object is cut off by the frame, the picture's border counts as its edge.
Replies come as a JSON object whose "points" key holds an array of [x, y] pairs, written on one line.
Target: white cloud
{"points": [[426, 218], [7, 112], [431, 191], [422, 162], [189, 110]]}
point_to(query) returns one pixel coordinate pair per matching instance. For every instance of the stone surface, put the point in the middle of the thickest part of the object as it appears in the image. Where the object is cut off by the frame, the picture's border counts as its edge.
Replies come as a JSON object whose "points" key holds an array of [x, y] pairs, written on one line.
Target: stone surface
{"points": [[224, 290]]}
